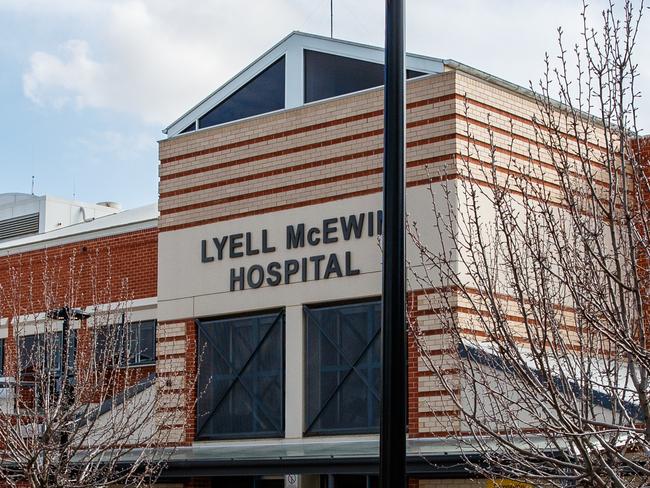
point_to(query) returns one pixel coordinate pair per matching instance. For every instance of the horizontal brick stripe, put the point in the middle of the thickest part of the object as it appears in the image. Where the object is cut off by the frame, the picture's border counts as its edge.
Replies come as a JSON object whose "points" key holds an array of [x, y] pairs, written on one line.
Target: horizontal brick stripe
{"points": [[296, 186], [171, 338], [439, 413], [427, 372], [304, 203], [297, 149], [301, 130], [526, 121], [171, 356], [372, 114], [290, 169], [434, 393], [278, 171], [273, 154]]}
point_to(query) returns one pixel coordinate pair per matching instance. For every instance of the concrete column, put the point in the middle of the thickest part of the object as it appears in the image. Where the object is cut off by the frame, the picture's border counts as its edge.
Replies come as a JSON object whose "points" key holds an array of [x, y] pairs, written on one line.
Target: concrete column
{"points": [[294, 373]]}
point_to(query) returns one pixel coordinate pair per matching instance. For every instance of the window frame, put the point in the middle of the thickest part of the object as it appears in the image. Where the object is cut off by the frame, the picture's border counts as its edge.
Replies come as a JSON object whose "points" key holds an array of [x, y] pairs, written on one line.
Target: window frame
{"points": [[123, 358], [199, 122], [309, 427], [58, 369], [279, 312]]}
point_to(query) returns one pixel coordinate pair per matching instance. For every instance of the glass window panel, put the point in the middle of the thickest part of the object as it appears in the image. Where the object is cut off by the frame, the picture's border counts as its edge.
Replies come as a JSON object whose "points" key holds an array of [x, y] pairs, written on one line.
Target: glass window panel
{"points": [[144, 347], [329, 75], [189, 128], [241, 377], [135, 341], [343, 347], [2, 357], [47, 348], [411, 73], [264, 93]]}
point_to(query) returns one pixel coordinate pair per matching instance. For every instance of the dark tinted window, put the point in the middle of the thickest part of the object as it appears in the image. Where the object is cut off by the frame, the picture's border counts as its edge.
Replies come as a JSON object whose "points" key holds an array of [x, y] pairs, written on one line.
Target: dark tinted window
{"points": [[411, 73], [343, 368], [329, 75], [45, 348], [262, 94], [118, 343], [2, 357], [142, 342], [189, 128], [241, 377]]}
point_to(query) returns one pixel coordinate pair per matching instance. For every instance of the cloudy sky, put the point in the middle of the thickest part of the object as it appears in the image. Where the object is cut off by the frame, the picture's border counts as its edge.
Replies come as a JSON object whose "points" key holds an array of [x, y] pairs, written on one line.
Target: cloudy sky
{"points": [[86, 86]]}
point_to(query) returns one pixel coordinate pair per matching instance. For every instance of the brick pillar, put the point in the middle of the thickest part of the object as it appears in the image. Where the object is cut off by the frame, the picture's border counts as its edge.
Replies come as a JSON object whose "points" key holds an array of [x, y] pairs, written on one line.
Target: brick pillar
{"points": [[11, 350], [412, 362], [173, 366]]}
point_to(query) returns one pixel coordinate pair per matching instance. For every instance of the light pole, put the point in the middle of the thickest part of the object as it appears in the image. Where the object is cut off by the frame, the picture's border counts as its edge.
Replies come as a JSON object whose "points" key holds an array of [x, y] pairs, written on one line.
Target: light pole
{"points": [[392, 443], [66, 386]]}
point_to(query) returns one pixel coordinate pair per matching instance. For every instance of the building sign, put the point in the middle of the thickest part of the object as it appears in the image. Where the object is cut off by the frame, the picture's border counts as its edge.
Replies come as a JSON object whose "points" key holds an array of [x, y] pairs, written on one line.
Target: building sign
{"points": [[291, 481], [317, 265]]}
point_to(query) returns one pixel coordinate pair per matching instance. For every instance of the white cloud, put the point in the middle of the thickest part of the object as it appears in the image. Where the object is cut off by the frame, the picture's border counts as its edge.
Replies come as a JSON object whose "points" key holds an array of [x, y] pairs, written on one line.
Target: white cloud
{"points": [[72, 77], [157, 58]]}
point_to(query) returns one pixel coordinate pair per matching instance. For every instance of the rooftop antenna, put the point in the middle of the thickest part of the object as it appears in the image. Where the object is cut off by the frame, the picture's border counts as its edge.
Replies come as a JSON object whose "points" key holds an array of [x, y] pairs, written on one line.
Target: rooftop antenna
{"points": [[332, 19], [32, 184]]}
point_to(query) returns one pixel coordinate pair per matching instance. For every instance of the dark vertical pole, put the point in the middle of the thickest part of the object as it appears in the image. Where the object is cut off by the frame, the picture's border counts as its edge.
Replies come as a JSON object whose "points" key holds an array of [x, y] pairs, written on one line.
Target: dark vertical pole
{"points": [[64, 379], [392, 449]]}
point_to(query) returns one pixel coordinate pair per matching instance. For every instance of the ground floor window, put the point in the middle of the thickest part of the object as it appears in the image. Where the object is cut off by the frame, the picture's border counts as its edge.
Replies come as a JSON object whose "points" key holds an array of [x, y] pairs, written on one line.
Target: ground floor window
{"points": [[241, 377], [41, 353], [343, 368]]}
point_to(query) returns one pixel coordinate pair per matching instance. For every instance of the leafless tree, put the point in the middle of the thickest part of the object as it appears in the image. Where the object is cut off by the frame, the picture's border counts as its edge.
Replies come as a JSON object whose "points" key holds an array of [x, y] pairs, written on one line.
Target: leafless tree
{"points": [[74, 411], [540, 281]]}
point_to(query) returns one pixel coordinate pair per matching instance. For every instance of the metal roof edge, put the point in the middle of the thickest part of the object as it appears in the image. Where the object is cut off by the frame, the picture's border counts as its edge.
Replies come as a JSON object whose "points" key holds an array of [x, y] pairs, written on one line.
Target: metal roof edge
{"points": [[231, 79]]}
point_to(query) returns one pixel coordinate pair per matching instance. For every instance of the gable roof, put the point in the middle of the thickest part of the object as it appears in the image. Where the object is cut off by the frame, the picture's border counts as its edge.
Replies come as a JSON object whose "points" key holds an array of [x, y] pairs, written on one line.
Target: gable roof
{"points": [[292, 48]]}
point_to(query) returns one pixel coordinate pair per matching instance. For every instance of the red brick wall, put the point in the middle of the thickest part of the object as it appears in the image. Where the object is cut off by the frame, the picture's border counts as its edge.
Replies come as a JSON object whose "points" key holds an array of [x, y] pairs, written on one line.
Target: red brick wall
{"points": [[80, 274], [84, 273]]}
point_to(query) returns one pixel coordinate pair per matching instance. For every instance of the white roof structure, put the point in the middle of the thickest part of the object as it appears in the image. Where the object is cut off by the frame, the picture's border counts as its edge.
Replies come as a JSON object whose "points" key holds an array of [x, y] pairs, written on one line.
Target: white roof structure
{"points": [[91, 228], [292, 49]]}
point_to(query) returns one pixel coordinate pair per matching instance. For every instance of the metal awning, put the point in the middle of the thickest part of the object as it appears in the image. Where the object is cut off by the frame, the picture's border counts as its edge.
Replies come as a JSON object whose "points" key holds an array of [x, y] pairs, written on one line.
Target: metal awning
{"points": [[433, 457]]}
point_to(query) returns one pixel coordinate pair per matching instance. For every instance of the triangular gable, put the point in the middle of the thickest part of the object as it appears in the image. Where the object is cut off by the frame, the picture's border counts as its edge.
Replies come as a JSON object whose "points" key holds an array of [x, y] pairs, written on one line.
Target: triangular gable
{"points": [[291, 52]]}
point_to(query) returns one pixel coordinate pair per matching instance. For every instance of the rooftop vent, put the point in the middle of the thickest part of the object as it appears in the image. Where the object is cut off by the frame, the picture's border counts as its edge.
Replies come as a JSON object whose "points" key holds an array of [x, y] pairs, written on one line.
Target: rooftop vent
{"points": [[19, 226], [114, 205]]}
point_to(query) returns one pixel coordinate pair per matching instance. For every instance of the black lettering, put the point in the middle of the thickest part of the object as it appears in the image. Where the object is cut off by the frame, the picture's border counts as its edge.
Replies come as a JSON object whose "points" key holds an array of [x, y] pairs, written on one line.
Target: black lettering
{"points": [[316, 260], [348, 265], [236, 279], [304, 269], [380, 222], [235, 243], [265, 242], [371, 224], [312, 236], [204, 252], [220, 244], [273, 270], [332, 267], [250, 251], [295, 236], [352, 224], [255, 283], [291, 267], [328, 229]]}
